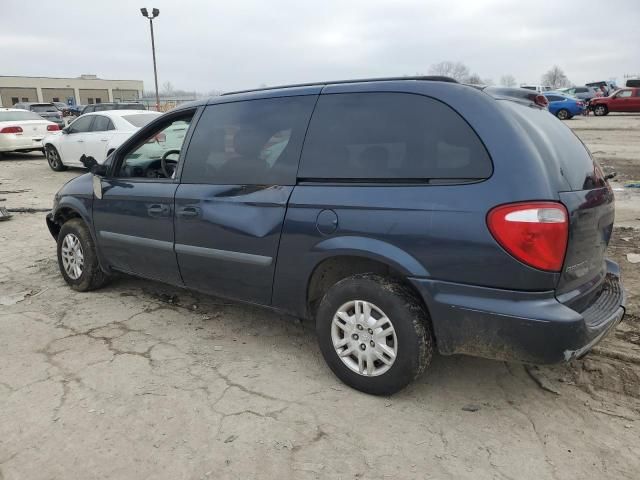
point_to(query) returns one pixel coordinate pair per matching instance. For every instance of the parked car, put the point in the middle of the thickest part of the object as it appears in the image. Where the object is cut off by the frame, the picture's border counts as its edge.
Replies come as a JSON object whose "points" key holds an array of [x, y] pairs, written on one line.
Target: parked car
{"points": [[623, 100], [101, 107], [564, 106], [399, 216], [95, 135], [633, 82], [48, 111], [536, 88], [606, 87], [62, 107], [523, 95], [23, 131], [583, 93], [76, 110]]}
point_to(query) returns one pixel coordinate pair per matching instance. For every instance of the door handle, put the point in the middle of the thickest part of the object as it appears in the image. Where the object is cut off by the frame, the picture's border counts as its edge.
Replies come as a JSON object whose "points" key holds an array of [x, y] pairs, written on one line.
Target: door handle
{"points": [[157, 210], [104, 139], [189, 212], [80, 141]]}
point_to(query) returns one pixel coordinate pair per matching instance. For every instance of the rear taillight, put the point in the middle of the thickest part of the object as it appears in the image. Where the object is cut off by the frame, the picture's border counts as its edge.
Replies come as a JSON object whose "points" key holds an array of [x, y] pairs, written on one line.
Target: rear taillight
{"points": [[535, 233], [580, 104], [53, 128], [11, 130], [541, 100]]}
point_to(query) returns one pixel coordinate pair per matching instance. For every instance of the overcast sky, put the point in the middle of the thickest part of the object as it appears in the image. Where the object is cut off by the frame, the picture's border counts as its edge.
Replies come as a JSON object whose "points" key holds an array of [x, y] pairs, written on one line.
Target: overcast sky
{"points": [[225, 45]]}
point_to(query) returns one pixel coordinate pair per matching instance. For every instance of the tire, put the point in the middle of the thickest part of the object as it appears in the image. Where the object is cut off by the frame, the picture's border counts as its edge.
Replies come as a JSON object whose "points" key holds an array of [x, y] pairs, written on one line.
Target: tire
{"points": [[563, 114], [411, 338], [53, 159], [600, 110], [88, 275]]}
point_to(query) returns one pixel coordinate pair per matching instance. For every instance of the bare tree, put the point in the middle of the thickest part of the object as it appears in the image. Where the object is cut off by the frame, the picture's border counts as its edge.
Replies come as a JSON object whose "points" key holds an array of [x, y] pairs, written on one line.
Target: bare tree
{"points": [[474, 78], [457, 70], [555, 78], [167, 88], [508, 80]]}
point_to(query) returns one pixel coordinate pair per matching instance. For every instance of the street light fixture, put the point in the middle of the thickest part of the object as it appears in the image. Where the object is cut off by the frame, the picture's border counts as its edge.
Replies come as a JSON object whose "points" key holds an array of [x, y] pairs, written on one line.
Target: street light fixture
{"points": [[154, 14]]}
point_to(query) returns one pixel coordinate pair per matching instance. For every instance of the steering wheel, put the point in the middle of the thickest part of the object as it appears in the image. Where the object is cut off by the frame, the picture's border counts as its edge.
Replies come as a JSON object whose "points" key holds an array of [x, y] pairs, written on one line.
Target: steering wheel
{"points": [[169, 166]]}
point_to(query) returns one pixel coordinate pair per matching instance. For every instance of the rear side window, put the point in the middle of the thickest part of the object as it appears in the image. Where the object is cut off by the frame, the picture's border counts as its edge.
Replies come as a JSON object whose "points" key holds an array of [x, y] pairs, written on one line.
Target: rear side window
{"points": [[101, 124], [360, 136], [254, 142]]}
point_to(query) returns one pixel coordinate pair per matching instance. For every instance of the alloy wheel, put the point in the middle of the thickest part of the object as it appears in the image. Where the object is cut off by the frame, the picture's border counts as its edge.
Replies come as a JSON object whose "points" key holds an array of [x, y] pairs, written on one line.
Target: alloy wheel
{"points": [[53, 158], [364, 338], [72, 256]]}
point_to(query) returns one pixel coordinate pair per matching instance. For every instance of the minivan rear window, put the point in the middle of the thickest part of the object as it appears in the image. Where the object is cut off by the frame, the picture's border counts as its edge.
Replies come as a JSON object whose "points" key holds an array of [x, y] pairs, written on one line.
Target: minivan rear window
{"points": [[393, 136], [43, 108]]}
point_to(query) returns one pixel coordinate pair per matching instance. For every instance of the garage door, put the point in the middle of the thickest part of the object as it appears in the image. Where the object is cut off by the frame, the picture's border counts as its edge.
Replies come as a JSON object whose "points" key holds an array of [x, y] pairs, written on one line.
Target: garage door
{"points": [[121, 95], [89, 96], [57, 94], [10, 96]]}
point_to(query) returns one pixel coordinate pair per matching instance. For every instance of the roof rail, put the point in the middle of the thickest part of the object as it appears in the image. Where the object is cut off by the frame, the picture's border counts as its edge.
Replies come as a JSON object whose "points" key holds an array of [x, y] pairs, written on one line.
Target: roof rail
{"points": [[430, 78]]}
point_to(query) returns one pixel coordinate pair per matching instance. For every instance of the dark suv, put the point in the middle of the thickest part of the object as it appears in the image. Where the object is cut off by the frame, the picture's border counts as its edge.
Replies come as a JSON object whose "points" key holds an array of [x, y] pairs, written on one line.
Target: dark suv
{"points": [[101, 107], [400, 216]]}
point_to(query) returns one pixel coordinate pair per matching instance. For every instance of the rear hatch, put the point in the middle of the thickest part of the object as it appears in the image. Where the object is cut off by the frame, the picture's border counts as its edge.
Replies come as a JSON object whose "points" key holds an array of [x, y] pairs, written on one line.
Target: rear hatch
{"points": [[46, 111], [588, 198]]}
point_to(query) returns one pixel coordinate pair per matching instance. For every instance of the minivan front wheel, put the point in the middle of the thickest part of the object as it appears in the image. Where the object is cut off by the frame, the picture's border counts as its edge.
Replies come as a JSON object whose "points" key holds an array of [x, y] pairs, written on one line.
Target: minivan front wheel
{"points": [[374, 333], [77, 257]]}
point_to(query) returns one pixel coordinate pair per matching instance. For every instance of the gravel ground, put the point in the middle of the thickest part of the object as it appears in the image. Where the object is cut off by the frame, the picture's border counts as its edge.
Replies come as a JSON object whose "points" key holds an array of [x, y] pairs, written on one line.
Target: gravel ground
{"points": [[140, 380]]}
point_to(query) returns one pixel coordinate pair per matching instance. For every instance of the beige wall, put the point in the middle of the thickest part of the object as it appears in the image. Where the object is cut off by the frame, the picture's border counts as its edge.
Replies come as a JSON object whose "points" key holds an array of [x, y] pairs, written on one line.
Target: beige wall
{"points": [[7, 94], [122, 95], [86, 94], [40, 84], [48, 94]]}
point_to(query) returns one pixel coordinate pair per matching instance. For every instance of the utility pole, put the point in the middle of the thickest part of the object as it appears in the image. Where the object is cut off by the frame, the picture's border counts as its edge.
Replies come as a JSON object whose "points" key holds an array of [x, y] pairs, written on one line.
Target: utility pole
{"points": [[154, 14]]}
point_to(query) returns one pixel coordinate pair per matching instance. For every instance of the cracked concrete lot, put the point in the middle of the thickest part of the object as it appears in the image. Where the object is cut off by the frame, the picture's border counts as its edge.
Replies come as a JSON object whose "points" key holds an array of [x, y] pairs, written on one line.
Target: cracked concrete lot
{"points": [[139, 380]]}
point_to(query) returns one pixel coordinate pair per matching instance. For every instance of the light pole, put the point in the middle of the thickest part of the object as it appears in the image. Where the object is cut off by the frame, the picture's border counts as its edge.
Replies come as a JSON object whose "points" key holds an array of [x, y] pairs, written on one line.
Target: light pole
{"points": [[154, 14]]}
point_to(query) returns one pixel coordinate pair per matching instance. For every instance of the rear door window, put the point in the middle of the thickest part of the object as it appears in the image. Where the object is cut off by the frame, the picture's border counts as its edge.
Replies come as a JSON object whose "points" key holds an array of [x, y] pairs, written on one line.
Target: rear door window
{"points": [[360, 136], [255, 142], [101, 124]]}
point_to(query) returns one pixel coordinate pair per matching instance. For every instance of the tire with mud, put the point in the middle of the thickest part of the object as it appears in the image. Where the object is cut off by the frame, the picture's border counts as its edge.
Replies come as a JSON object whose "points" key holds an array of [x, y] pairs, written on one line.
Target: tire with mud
{"points": [[77, 257], [374, 333]]}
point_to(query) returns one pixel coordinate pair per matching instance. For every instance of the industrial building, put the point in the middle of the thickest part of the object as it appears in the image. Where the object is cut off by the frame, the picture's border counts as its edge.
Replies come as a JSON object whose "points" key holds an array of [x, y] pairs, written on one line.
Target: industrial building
{"points": [[85, 89]]}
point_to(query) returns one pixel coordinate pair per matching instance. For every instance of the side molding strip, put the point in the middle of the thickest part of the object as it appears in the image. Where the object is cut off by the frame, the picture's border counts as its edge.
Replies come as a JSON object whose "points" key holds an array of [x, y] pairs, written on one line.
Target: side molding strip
{"points": [[228, 255], [137, 241]]}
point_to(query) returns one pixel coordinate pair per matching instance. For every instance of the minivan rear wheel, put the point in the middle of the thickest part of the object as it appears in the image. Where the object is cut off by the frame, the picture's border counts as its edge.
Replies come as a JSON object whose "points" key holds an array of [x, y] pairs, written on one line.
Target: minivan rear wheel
{"points": [[374, 333]]}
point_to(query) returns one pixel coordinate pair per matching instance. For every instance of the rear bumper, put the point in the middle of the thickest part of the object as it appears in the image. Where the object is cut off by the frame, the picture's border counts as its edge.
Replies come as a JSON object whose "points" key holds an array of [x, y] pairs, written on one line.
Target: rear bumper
{"points": [[531, 327]]}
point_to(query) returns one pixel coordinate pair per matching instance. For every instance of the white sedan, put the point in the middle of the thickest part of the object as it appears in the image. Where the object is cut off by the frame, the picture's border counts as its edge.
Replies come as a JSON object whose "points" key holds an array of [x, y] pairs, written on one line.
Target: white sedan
{"points": [[94, 135], [23, 131]]}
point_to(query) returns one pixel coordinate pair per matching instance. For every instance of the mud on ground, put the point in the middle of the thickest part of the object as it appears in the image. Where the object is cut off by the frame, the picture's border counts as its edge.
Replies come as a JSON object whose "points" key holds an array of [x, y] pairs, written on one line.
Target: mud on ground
{"points": [[140, 380]]}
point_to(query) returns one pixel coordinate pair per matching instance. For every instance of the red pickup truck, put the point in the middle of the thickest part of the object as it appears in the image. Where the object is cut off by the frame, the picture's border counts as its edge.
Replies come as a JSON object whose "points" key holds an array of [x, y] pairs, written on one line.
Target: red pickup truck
{"points": [[623, 100]]}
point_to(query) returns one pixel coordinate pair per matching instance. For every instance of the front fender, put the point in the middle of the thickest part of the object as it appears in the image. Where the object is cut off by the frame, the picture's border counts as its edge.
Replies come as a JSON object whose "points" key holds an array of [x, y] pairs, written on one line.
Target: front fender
{"points": [[373, 249]]}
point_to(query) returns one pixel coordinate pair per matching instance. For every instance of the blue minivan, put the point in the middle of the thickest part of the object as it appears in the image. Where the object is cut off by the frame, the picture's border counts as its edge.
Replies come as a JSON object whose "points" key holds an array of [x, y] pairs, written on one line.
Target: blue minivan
{"points": [[399, 216]]}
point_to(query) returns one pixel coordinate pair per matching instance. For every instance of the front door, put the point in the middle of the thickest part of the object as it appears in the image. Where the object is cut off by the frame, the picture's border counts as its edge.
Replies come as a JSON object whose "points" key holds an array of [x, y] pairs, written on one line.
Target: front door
{"points": [[622, 102], [238, 174], [134, 219], [72, 143]]}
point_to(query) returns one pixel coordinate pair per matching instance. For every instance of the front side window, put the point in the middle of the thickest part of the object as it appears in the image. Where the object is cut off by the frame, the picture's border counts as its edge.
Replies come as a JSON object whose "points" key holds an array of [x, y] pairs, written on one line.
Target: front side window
{"points": [[359, 136], [624, 94], [254, 142], [81, 125], [156, 155]]}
